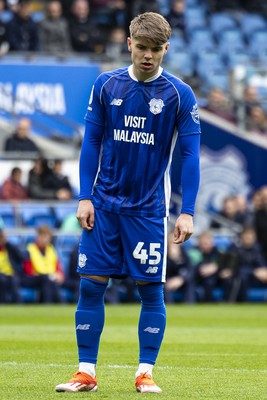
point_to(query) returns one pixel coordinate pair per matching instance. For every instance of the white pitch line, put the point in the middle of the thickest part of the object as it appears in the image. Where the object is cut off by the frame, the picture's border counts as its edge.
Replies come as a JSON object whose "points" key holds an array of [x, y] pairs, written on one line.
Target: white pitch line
{"points": [[117, 366]]}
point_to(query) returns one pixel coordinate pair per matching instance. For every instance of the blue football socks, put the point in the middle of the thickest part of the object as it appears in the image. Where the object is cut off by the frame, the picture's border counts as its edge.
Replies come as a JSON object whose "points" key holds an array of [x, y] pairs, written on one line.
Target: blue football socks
{"points": [[89, 318], [152, 322]]}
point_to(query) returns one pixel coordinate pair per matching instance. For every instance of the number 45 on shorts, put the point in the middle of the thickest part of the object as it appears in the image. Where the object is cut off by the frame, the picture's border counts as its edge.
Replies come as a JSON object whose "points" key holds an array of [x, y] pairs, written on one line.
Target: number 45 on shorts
{"points": [[152, 255]]}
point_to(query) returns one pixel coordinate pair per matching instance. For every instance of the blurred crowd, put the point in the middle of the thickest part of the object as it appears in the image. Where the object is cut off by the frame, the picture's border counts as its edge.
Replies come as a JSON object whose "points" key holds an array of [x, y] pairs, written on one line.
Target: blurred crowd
{"points": [[204, 269]]}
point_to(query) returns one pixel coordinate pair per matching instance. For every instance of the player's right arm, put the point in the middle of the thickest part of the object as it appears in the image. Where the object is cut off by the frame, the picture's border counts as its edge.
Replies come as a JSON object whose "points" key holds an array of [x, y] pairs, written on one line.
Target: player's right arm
{"points": [[88, 167]]}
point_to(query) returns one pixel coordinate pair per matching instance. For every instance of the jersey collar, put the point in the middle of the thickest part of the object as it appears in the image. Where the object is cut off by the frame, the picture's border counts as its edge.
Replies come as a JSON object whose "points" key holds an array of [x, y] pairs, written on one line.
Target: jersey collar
{"points": [[154, 77]]}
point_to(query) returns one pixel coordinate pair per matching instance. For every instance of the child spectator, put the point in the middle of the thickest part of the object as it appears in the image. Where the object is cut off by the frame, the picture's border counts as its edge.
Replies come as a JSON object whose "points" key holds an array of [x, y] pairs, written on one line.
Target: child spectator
{"points": [[12, 188], [43, 261]]}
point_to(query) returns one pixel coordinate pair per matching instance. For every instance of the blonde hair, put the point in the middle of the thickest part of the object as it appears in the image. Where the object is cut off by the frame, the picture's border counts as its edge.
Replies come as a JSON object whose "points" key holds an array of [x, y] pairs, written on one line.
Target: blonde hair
{"points": [[150, 26]]}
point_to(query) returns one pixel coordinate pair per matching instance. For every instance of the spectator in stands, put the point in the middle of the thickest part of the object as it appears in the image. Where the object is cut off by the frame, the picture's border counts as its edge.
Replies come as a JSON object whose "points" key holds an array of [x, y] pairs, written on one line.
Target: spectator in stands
{"points": [[116, 45], [176, 17], [43, 261], [22, 31], [140, 6], [57, 181], [11, 260], [249, 267], [257, 120], [86, 35], [12, 188], [20, 141], [38, 175], [206, 258], [260, 222], [219, 104], [229, 216], [4, 45], [180, 273], [54, 31], [251, 97]]}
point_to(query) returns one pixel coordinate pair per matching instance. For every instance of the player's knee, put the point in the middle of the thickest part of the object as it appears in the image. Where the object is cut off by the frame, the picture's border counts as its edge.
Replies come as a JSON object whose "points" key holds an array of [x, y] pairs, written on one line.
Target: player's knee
{"points": [[151, 294], [91, 293]]}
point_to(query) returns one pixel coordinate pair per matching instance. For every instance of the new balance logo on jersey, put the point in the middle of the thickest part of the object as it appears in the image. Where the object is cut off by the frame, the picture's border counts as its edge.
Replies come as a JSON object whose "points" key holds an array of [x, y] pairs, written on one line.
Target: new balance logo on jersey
{"points": [[152, 330], [84, 327], [152, 270], [116, 102]]}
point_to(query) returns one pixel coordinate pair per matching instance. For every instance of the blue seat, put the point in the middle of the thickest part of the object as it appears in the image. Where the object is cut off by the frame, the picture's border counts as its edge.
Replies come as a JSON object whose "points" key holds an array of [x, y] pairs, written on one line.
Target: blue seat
{"points": [[34, 215], [251, 23], [66, 242], [181, 63], [201, 37], [237, 57], [220, 22], [63, 210], [209, 59], [8, 216], [215, 77], [258, 40]]}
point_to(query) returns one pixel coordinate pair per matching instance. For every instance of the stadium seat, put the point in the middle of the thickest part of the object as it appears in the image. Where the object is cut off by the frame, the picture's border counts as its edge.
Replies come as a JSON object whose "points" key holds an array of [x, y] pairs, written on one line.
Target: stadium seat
{"points": [[61, 211], [34, 215], [8, 216], [215, 77], [251, 23], [258, 40], [201, 38], [237, 57], [209, 60], [181, 63], [220, 22], [195, 17]]}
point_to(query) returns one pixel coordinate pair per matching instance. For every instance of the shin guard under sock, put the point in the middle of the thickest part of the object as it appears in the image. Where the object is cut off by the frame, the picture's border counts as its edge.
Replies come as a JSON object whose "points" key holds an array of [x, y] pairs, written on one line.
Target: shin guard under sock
{"points": [[152, 321], [89, 318]]}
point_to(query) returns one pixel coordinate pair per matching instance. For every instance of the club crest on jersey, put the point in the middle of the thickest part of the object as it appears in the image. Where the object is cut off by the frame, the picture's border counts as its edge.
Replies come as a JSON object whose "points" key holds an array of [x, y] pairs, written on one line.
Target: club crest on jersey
{"points": [[82, 260], [156, 106], [194, 114]]}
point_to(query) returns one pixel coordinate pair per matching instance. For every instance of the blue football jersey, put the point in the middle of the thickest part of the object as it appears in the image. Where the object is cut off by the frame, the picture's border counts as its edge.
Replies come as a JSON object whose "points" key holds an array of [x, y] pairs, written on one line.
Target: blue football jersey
{"points": [[141, 122]]}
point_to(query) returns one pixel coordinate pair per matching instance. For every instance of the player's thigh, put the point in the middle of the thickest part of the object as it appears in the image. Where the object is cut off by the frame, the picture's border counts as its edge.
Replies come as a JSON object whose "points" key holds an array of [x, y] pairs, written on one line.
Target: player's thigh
{"points": [[100, 250], [145, 247]]}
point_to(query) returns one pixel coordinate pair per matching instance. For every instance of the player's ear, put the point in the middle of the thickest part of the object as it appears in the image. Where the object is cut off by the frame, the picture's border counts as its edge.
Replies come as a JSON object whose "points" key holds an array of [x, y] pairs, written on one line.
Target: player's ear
{"points": [[166, 48], [129, 44]]}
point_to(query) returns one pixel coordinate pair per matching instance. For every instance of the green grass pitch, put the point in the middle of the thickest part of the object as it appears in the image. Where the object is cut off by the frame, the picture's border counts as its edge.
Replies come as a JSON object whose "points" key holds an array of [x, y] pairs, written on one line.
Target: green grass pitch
{"points": [[210, 352]]}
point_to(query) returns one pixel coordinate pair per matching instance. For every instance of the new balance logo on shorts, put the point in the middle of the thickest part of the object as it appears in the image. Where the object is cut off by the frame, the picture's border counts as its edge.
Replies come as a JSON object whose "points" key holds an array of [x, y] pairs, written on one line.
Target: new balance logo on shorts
{"points": [[116, 102], [152, 270], [84, 327], [152, 330]]}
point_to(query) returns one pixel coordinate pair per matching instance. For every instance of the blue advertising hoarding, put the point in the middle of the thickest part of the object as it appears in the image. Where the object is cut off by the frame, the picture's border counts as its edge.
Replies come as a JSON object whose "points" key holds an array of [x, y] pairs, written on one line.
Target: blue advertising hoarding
{"points": [[54, 95]]}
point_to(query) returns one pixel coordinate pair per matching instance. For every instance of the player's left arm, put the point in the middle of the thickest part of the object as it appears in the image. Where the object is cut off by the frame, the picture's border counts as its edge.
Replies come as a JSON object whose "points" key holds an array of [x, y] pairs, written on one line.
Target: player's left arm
{"points": [[189, 141], [189, 146]]}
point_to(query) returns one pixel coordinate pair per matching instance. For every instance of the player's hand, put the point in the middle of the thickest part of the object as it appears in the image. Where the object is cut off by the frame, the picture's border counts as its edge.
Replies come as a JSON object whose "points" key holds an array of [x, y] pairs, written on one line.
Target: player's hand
{"points": [[183, 228], [86, 214]]}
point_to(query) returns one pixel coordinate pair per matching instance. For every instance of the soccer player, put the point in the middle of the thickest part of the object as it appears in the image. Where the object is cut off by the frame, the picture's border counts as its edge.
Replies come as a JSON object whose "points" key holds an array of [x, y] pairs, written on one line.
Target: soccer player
{"points": [[134, 117]]}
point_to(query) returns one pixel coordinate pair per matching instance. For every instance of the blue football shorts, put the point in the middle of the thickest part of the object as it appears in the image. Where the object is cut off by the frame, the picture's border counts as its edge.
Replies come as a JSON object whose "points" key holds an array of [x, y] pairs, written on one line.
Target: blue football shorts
{"points": [[123, 245]]}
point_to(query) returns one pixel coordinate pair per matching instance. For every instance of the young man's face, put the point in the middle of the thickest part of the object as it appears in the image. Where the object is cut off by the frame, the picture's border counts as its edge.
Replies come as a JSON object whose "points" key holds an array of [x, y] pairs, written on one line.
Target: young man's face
{"points": [[146, 57]]}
